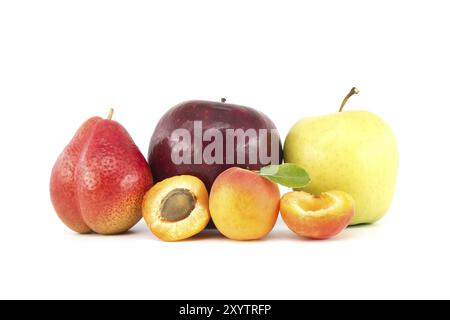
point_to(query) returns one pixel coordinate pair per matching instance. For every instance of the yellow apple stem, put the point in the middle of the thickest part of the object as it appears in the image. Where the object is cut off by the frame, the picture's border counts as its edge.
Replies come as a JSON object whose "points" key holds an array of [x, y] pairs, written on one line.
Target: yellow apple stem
{"points": [[110, 114], [351, 93]]}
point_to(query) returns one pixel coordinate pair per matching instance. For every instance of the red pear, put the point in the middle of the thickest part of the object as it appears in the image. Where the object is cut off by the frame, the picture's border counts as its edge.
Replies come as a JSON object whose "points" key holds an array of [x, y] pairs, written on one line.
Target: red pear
{"points": [[99, 180]]}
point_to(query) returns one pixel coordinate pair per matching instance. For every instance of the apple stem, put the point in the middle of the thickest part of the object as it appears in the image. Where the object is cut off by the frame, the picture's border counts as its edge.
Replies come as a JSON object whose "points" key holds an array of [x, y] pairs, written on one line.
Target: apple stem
{"points": [[110, 114], [351, 93], [223, 100]]}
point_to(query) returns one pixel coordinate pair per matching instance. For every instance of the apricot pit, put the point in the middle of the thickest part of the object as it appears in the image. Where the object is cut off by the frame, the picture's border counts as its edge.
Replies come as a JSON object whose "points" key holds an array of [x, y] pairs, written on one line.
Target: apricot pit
{"points": [[177, 205]]}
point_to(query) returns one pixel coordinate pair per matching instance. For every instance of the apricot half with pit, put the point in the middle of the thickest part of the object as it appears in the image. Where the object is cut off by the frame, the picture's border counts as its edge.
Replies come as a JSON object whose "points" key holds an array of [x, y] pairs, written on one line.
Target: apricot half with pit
{"points": [[176, 208], [317, 217]]}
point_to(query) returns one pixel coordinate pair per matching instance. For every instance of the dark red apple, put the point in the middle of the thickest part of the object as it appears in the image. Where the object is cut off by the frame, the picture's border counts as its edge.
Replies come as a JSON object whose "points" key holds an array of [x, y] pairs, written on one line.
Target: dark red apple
{"points": [[203, 139]]}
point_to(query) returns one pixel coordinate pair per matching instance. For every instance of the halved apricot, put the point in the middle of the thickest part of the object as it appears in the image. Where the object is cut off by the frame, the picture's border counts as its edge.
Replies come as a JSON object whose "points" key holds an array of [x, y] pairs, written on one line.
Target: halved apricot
{"points": [[317, 217], [176, 208]]}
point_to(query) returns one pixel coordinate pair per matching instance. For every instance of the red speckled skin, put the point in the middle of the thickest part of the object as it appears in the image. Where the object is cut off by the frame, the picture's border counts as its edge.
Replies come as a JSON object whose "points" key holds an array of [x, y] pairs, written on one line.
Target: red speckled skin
{"points": [[99, 180], [62, 182], [217, 115]]}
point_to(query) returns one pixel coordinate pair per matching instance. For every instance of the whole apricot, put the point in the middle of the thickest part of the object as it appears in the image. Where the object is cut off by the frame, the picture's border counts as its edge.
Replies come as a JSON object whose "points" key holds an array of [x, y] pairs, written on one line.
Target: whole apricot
{"points": [[244, 205]]}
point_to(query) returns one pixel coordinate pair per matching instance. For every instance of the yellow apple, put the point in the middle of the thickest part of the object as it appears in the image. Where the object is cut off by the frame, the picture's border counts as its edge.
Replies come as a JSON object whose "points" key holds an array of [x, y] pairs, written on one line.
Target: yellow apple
{"points": [[352, 151]]}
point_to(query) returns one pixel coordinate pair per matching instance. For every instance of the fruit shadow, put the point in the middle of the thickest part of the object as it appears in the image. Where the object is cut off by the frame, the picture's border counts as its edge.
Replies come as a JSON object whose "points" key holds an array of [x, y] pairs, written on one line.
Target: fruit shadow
{"points": [[128, 233], [347, 235], [208, 234], [215, 235]]}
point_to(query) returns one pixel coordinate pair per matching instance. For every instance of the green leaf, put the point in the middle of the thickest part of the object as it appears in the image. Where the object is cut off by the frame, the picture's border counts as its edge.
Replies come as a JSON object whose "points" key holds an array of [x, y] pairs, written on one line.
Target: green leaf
{"points": [[288, 174]]}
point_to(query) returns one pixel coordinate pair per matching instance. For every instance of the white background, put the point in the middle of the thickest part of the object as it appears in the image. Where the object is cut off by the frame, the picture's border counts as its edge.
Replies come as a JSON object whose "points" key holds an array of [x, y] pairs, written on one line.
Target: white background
{"points": [[62, 62]]}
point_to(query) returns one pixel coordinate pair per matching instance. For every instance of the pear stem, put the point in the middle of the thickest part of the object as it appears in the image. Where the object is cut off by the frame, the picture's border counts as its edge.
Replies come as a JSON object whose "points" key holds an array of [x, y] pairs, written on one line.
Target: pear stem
{"points": [[223, 100], [110, 114], [352, 92]]}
